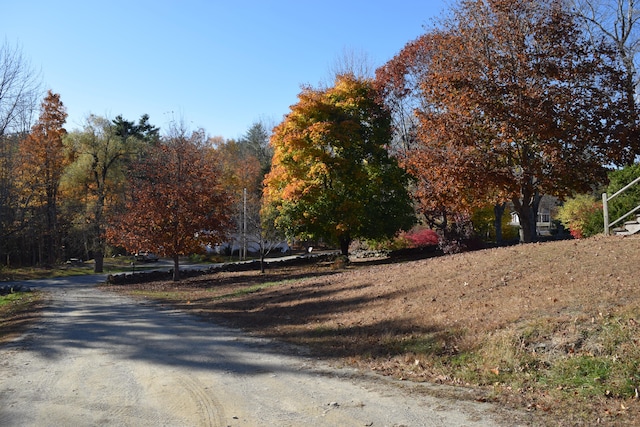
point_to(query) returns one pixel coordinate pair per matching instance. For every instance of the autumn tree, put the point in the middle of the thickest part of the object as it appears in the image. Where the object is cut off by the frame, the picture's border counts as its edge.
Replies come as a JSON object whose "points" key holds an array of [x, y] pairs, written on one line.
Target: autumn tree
{"points": [[441, 193], [514, 101], [178, 205], [241, 176], [43, 161], [332, 177], [256, 231], [244, 164], [20, 92]]}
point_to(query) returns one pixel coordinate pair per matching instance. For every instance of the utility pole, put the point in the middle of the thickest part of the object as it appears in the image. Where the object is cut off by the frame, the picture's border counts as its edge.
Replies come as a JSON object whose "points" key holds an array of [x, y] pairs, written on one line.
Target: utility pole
{"points": [[244, 224]]}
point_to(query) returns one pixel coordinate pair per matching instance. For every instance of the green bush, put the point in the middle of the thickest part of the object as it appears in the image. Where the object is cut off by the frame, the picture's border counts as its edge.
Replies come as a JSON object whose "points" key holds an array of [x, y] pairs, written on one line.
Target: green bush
{"points": [[628, 200], [484, 225], [582, 215]]}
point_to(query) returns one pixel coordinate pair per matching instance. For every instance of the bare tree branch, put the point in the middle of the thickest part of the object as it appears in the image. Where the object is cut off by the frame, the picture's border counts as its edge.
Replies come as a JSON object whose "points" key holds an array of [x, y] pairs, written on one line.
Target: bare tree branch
{"points": [[20, 90]]}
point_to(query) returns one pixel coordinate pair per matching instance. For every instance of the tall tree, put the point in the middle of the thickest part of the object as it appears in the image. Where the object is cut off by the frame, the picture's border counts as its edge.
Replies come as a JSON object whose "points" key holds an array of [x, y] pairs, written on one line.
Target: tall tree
{"points": [[241, 175], [244, 166], [43, 160], [617, 21], [143, 130], [332, 177], [100, 170], [8, 198], [19, 90], [178, 205], [514, 102], [256, 141]]}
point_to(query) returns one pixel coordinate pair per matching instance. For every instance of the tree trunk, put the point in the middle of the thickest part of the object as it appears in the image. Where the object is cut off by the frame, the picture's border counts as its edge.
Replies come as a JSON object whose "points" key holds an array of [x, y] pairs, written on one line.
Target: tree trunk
{"points": [[261, 259], [98, 251], [498, 212], [176, 268], [527, 209], [528, 214], [345, 242], [51, 237], [98, 242], [98, 256]]}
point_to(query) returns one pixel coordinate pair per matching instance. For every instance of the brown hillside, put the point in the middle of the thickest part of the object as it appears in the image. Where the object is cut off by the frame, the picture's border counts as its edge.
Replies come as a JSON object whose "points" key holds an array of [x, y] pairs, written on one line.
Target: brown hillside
{"points": [[552, 328]]}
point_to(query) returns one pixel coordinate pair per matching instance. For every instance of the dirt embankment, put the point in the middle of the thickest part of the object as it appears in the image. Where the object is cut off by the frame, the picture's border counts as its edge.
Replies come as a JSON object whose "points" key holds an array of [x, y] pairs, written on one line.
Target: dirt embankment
{"points": [[551, 328]]}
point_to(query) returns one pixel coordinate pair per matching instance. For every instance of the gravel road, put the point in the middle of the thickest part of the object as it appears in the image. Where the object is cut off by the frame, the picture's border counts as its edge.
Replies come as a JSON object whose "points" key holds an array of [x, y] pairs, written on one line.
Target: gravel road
{"points": [[99, 359]]}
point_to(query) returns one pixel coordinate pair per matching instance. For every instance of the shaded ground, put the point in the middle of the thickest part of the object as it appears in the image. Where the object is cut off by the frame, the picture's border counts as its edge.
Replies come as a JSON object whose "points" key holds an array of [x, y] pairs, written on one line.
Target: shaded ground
{"points": [[98, 358], [552, 328], [18, 312]]}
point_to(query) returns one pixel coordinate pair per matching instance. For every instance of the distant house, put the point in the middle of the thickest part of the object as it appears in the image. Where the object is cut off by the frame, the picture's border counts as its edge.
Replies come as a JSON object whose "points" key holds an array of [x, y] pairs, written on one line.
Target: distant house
{"points": [[236, 245], [547, 210]]}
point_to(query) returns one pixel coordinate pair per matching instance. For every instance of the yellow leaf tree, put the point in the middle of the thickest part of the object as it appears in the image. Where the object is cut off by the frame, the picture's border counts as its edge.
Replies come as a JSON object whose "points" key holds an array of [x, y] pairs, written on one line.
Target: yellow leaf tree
{"points": [[332, 177]]}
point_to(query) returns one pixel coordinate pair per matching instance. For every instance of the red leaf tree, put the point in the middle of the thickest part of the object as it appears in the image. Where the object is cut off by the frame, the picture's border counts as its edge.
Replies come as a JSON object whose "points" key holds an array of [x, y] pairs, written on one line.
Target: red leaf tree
{"points": [[177, 204], [513, 101]]}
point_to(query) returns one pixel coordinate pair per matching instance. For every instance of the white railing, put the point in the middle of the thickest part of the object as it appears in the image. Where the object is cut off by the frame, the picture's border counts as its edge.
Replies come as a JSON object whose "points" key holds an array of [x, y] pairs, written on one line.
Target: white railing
{"points": [[605, 207]]}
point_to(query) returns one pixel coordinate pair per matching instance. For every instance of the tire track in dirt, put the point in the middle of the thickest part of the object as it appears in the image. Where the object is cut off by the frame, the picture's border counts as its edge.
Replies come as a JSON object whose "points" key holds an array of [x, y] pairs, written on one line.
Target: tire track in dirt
{"points": [[103, 359], [211, 411]]}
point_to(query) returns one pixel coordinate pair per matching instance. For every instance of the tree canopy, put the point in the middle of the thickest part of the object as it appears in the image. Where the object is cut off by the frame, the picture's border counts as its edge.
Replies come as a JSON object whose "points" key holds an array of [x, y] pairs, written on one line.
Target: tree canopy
{"points": [[617, 22], [143, 130], [332, 177], [43, 161], [19, 90], [99, 176], [177, 205], [514, 101]]}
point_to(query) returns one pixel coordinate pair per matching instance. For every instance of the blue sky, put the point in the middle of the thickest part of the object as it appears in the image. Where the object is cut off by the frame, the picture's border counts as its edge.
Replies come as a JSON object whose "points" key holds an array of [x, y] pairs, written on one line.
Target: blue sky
{"points": [[219, 65]]}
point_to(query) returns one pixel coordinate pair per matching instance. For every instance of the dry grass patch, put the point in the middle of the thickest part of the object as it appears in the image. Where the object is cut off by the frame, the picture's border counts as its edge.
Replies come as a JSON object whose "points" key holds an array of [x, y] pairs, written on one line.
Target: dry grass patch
{"points": [[17, 312], [552, 328]]}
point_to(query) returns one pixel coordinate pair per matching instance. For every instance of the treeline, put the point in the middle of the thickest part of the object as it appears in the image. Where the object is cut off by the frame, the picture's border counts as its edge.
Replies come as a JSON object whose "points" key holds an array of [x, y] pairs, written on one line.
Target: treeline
{"points": [[498, 104], [80, 194]]}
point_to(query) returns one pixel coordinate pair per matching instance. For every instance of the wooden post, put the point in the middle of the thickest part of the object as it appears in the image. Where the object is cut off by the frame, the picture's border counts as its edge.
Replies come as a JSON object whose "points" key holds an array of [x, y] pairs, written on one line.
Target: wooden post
{"points": [[605, 213]]}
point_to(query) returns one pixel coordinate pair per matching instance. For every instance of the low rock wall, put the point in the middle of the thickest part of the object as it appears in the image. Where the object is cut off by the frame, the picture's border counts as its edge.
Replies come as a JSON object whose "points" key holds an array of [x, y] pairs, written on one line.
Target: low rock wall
{"points": [[156, 275]]}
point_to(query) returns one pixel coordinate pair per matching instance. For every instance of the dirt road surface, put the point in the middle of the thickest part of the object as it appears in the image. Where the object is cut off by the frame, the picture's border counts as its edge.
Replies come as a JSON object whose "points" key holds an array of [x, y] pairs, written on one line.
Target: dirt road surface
{"points": [[99, 359]]}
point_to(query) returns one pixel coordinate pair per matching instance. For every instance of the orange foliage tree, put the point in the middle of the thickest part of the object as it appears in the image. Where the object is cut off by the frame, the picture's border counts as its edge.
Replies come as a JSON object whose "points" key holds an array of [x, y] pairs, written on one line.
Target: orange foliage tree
{"points": [[43, 161], [514, 101], [177, 204], [332, 176]]}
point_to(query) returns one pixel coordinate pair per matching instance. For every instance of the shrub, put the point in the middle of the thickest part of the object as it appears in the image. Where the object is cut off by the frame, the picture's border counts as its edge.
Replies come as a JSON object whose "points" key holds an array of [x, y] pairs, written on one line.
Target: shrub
{"points": [[628, 200], [383, 245], [582, 215], [457, 236], [484, 225], [417, 237], [422, 237]]}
